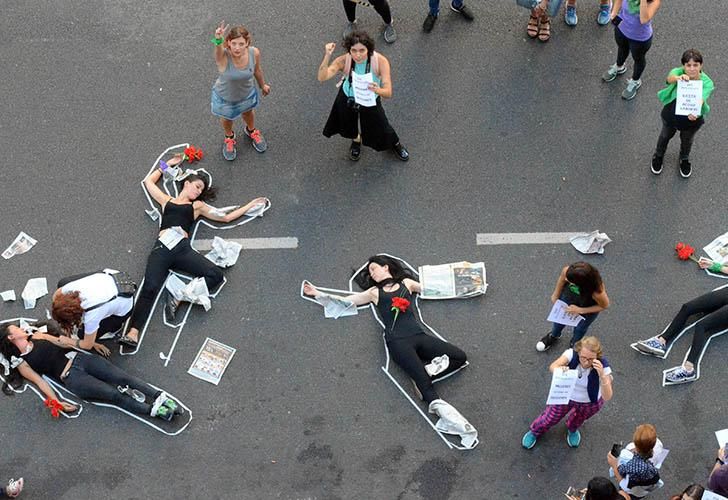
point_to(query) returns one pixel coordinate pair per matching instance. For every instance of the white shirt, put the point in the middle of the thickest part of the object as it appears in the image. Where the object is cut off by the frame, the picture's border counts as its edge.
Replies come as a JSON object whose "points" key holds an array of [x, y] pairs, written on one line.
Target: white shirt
{"points": [[97, 289], [580, 393]]}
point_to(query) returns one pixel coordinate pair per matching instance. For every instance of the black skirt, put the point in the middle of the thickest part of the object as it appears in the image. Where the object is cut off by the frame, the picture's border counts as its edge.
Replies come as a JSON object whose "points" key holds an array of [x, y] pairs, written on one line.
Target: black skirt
{"points": [[376, 132]]}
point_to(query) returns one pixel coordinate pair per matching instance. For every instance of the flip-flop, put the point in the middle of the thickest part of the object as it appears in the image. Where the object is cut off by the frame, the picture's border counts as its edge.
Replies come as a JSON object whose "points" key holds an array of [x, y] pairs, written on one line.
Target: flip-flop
{"points": [[128, 341]]}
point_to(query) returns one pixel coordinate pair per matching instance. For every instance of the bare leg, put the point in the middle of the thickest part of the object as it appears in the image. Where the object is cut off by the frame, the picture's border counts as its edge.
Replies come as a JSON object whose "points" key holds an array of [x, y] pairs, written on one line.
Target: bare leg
{"points": [[249, 118], [227, 126]]}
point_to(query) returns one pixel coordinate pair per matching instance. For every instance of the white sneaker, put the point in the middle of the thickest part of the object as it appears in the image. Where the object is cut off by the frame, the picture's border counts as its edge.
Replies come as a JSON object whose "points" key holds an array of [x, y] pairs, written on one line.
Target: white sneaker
{"points": [[437, 365], [14, 487]]}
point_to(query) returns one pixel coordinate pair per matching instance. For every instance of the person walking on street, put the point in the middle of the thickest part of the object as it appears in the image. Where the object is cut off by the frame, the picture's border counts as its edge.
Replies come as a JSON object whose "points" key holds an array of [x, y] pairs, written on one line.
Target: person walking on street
{"points": [[234, 93], [632, 21], [456, 5], [692, 69], [382, 8]]}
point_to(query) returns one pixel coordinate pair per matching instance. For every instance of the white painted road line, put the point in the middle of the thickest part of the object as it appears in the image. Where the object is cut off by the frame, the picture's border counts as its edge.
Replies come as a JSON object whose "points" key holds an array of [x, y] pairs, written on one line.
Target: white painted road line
{"points": [[523, 238], [251, 243]]}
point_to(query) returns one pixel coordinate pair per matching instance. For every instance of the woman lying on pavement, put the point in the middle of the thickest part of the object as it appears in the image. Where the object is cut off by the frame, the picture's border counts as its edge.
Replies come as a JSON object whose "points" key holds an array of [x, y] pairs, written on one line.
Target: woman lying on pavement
{"points": [[172, 250], [86, 375], [93, 305], [714, 308], [390, 287]]}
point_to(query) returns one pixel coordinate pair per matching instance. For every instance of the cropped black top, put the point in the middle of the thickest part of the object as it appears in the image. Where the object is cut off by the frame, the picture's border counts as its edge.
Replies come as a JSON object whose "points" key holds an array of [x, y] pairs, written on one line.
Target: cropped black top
{"points": [[178, 215]]}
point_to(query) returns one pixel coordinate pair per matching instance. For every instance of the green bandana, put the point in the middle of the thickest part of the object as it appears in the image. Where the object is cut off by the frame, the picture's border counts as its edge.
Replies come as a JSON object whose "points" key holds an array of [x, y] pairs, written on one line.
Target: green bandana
{"points": [[574, 289], [633, 6]]}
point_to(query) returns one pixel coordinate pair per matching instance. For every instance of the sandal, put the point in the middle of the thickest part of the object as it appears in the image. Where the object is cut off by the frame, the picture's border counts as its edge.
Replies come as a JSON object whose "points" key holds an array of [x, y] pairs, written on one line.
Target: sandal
{"points": [[128, 342], [532, 27], [544, 29]]}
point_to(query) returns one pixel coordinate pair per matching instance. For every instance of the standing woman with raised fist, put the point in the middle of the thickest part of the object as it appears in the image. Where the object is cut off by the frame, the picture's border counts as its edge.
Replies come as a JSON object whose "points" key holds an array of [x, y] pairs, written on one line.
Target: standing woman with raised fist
{"points": [[234, 93], [357, 113]]}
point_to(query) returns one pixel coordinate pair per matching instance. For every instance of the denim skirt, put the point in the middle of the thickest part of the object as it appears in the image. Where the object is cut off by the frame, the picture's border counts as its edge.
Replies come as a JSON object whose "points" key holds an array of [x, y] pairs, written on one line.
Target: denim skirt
{"points": [[232, 110]]}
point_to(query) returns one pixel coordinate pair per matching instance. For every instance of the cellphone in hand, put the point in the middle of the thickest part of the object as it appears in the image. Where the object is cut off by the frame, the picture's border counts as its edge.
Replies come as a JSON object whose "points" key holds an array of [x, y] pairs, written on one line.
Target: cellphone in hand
{"points": [[616, 20], [616, 449]]}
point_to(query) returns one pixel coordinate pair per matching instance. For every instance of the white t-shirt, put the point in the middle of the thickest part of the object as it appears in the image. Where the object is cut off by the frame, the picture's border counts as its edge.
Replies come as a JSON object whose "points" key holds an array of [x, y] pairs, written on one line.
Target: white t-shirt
{"points": [[580, 394], [96, 289]]}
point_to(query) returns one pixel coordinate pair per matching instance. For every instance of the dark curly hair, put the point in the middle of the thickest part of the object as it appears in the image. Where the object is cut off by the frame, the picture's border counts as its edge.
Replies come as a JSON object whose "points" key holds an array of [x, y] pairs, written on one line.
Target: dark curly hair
{"points": [[585, 276], [361, 37], [399, 272]]}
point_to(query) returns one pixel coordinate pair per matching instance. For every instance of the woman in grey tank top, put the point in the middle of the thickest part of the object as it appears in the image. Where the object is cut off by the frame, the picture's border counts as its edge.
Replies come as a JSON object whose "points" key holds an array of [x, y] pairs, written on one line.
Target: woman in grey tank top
{"points": [[234, 93]]}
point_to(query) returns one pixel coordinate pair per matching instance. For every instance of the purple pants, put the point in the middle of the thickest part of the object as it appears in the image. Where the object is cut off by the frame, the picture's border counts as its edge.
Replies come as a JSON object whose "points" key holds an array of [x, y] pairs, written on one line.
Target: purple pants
{"points": [[578, 414]]}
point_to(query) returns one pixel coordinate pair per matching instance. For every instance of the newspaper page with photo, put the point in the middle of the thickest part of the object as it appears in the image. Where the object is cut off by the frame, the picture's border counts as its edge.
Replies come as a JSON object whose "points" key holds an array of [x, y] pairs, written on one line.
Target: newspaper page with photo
{"points": [[454, 280], [211, 361]]}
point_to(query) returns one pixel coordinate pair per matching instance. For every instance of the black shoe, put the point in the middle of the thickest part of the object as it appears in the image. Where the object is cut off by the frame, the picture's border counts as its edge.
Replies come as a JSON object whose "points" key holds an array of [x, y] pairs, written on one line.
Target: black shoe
{"points": [[464, 11], [429, 23], [170, 306], [128, 341], [355, 151], [546, 342], [401, 152], [656, 166], [685, 168]]}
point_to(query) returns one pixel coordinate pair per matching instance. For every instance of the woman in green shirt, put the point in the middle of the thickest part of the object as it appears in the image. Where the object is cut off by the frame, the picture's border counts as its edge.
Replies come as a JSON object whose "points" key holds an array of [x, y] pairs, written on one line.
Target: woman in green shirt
{"points": [[692, 69]]}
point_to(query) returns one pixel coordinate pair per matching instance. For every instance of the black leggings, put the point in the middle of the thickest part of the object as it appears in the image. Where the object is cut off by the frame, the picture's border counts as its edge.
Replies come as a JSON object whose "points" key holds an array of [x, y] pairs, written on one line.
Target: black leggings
{"points": [[94, 378], [686, 140], [714, 307], [413, 353], [182, 258], [381, 6], [625, 46]]}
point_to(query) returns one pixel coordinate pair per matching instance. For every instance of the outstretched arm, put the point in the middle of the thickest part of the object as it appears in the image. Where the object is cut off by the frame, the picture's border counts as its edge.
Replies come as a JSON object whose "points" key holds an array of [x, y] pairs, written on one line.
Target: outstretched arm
{"points": [[412, 285], [150, 181], [358, 299], [206, 210], [31, 376]]}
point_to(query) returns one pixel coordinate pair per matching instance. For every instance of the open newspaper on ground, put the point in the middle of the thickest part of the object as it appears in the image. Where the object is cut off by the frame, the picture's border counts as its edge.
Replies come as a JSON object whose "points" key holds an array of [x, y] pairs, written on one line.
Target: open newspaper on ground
{"points": [[717, 249], [455, 280], [211, 361]]}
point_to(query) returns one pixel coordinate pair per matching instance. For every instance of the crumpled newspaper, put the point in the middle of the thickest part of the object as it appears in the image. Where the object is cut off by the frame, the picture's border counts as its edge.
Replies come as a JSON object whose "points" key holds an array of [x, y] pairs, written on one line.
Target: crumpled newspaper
{"points": [[153, 213], [224, 253], [336, 307], [452, 422], [194, 292], [34, 289], [258, 209], [590, 242], [437, 365]]}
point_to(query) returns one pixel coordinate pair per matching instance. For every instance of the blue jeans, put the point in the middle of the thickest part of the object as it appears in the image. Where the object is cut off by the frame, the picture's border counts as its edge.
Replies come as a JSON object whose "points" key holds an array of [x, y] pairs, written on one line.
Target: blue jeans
{"points": [[435, 6], [92, 377]]}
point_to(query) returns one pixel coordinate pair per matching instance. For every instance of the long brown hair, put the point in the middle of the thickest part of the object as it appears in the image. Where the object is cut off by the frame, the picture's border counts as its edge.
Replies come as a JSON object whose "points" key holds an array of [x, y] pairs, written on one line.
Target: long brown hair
{"points": [[67, 310]]}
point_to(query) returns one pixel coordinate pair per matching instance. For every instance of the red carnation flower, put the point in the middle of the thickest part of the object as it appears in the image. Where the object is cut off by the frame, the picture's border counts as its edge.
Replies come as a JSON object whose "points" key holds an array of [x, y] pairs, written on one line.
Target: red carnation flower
{"points": [[191, 154], [400, 304], [685, 252], [55, 407]]}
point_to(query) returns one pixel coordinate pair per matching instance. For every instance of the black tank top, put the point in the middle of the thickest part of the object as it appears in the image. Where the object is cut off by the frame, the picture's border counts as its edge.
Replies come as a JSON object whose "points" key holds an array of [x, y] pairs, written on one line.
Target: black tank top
{"points": [[578, 299], [407, 323], [178, 215], [47, 359]]}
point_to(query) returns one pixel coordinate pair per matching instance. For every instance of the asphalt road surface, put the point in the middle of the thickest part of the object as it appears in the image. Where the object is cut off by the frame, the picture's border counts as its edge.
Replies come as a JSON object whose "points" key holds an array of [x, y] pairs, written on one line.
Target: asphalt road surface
{"points": [[506, 135]]}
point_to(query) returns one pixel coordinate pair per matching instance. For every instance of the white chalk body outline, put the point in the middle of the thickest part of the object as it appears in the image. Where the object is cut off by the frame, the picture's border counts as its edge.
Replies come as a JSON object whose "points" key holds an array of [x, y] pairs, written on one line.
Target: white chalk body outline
{"points": [[385, 368], [167, 357], [685, 358], [62, 393]]}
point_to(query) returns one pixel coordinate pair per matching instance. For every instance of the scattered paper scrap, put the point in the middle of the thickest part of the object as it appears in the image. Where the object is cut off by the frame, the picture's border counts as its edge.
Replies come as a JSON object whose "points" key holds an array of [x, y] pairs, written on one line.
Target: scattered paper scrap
{"points": [[34, 289], [590, 242], [717, 249], [224, 253], [194, 292], [153, 214], [8, 295], [336, 307], [21, 244], [211, 361]]}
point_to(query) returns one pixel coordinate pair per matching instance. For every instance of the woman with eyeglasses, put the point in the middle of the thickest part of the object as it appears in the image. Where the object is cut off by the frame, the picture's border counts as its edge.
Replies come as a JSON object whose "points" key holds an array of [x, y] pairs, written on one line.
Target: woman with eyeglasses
{"points": [[593, 387], [579, 285]]}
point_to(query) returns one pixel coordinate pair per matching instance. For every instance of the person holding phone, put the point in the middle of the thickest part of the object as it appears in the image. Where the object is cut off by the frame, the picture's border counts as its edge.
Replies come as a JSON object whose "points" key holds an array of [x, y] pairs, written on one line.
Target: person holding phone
{"points": [[692, 69], [632, 21], [347, 115], [593, 387], [634, 467], [581, 287]]}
